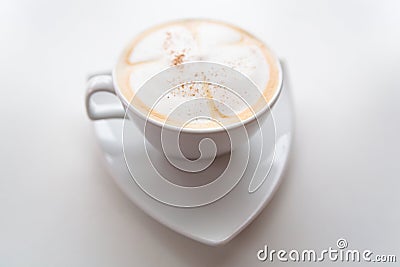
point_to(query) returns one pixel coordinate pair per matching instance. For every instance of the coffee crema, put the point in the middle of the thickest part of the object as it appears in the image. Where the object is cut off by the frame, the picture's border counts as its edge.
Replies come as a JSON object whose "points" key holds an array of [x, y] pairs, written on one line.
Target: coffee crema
{"points": [[195, 40]]}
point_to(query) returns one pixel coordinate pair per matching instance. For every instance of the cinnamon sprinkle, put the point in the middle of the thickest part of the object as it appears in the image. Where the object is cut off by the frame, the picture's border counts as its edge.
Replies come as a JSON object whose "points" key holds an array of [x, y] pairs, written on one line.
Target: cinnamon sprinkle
{"points": [[178, 59]]}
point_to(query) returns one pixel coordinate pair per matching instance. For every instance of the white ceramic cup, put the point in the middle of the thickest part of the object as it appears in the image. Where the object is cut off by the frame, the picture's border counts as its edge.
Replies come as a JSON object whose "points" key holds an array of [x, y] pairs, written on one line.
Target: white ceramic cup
{"points": [[179, 142]]}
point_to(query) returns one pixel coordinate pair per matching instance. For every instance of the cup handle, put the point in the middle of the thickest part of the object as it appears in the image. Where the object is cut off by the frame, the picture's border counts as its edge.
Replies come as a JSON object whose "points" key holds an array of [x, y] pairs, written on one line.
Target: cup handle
{"points": [[102, 83]]}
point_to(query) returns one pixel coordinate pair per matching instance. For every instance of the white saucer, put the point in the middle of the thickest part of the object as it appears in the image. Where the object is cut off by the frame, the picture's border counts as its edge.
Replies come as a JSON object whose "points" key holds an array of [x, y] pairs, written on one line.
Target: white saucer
{"points": [[220, 219]]}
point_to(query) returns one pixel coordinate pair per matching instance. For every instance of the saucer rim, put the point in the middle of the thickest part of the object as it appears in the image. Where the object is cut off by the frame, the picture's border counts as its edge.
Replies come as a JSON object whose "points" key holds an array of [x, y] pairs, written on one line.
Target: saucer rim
{"points": [[208, 241]]}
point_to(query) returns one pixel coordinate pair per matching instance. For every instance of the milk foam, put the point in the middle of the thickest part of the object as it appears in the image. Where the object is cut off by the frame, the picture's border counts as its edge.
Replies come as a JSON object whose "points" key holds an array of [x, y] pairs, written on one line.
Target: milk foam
{"points": [[197, 40]]}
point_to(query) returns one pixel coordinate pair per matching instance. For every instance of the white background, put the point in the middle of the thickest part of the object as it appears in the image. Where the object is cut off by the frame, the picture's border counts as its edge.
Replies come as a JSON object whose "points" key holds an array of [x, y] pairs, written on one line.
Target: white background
{"points": [[58, 205]]}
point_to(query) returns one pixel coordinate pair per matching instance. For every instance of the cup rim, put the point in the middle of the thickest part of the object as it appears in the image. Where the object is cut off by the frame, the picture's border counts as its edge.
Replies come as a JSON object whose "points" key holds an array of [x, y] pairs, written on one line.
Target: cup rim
{"points": [[268, 106]]}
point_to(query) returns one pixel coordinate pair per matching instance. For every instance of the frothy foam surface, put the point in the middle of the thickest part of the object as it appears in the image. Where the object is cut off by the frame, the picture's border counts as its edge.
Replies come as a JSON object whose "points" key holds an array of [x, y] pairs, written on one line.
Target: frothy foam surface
{"points": [[185, 41]]}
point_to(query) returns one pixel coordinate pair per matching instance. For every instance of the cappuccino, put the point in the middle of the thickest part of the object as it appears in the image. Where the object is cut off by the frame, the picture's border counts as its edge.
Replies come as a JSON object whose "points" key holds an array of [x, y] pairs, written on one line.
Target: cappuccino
{"points": [[197, 101]]}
